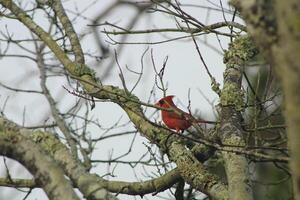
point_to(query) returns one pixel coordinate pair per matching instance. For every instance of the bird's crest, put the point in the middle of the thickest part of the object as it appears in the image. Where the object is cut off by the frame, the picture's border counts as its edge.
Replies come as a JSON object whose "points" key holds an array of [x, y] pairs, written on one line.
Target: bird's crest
{"points": [[167, 99]]}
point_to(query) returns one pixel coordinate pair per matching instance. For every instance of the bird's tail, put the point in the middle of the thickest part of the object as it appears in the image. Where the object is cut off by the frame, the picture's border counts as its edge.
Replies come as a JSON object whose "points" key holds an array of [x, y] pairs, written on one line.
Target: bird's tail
{"points": [[205, 121]]}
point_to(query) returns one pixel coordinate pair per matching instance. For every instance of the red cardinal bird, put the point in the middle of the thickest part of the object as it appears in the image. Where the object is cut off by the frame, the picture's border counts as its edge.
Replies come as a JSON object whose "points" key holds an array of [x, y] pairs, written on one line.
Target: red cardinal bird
{"points": [[176, 119]]}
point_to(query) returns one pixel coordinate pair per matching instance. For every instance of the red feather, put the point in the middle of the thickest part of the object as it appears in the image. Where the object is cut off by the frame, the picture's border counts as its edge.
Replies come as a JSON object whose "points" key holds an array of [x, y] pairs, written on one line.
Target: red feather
{"points": [[176, 119]]}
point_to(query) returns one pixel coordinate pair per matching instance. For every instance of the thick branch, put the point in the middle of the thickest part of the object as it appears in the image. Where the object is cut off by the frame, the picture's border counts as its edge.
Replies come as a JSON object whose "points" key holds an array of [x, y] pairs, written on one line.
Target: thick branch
{"points": [[133, 188], [288, 65], [91, 185], [278, 37], [68, 27], [16, 183], [46, 172], [231, 133]]}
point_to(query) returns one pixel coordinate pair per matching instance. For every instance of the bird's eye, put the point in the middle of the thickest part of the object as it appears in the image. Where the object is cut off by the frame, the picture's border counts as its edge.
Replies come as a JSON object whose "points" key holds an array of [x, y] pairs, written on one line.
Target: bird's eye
{"points": [[161, 102]]}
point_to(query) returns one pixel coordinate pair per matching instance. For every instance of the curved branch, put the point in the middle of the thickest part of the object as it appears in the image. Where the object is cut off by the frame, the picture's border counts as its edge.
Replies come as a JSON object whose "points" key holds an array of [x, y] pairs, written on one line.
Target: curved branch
{"points": [[155, 185], [46, 172], [90, 185], [68, 27]]}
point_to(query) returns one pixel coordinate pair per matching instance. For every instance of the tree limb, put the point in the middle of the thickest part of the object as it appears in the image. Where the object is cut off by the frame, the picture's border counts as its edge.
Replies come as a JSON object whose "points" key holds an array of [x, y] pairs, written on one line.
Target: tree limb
{"points": [[231, 132], [278, 37], [68, 27], [45, 171], [90, 185]]}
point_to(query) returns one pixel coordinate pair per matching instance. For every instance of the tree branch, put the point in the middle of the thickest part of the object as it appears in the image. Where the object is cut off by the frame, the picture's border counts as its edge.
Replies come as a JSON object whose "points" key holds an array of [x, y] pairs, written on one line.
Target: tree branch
{"points": [[17, 182], [231, 132], [68, 27], [46, 172], [206, 28], [278, 37], [90, 185]]}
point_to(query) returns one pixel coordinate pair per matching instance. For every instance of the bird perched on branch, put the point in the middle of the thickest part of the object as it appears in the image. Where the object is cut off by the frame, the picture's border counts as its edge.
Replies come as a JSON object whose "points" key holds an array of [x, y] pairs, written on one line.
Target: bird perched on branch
{"points": [[176, 118]]}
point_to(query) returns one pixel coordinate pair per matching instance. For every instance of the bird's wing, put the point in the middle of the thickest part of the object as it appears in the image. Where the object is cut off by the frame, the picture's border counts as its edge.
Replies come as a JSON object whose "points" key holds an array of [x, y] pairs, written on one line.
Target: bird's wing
{"points": [[180, 114]]}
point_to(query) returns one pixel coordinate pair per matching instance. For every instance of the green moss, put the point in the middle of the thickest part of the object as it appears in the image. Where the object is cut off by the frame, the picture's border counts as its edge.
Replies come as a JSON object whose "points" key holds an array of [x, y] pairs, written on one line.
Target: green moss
{"points": [[234, 141], [215, 86], [1, 125], [232, 95], [233, 74], [81, 70], [47, 140], [242, 49]]}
